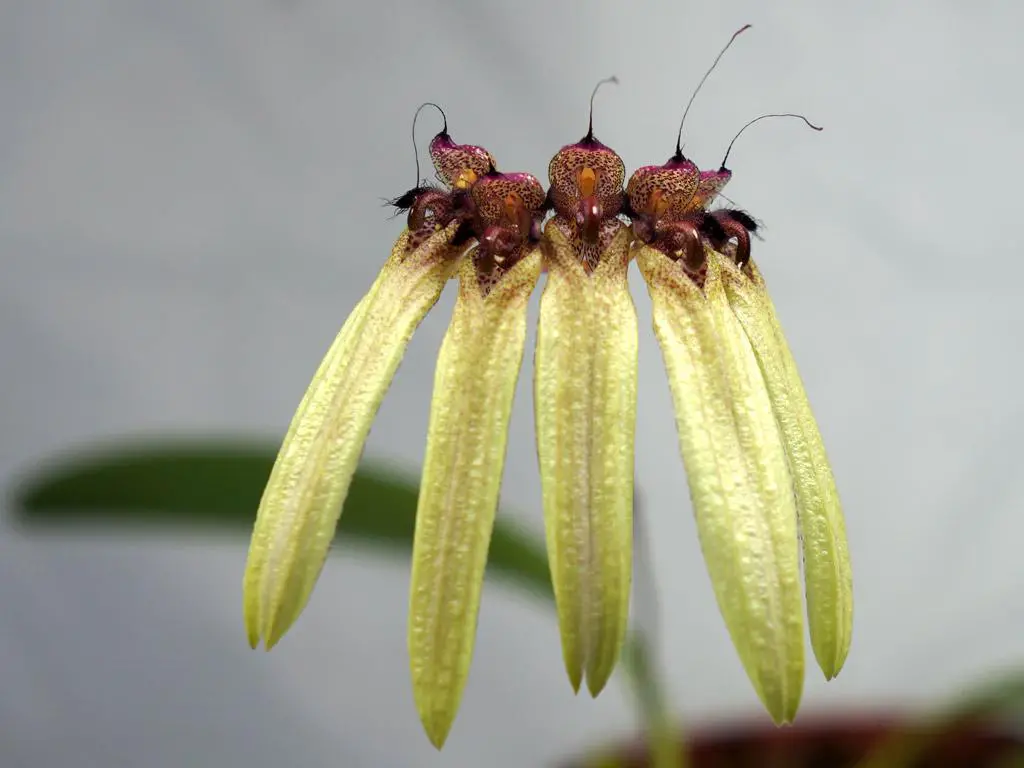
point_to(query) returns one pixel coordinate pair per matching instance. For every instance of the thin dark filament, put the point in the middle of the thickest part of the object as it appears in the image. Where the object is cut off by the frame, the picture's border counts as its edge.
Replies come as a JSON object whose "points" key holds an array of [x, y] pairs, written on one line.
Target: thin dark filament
{"points": [[721, 53], [764, 117], [593, 93], [415, 150]]}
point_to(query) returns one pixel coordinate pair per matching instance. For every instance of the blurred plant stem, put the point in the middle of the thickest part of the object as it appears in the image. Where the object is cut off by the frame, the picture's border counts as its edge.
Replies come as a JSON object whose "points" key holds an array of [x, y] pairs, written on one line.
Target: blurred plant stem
{"points": [[639, 657], [663, 733]]}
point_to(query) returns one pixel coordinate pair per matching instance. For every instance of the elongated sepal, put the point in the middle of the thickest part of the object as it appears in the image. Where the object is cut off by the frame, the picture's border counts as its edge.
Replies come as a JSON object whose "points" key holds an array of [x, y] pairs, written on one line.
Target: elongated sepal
{"points": [[303, 499], [827, 572], [737, 473], [585, 404], [474, 385]]}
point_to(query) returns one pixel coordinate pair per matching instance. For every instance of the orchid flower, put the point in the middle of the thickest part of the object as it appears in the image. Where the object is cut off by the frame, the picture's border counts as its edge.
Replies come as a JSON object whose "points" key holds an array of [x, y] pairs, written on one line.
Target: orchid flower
{"points": [[759, 479]]}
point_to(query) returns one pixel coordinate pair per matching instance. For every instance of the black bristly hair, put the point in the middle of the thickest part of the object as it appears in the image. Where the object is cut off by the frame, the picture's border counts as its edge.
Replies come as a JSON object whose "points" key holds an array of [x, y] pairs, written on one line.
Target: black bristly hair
{"points": [[742, 218], [406, 200], [712, 230]]}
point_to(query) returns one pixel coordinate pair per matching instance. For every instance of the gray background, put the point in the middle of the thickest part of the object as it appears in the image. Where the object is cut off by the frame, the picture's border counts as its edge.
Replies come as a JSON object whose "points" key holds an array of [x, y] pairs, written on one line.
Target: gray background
{"points": [[190, 206]]}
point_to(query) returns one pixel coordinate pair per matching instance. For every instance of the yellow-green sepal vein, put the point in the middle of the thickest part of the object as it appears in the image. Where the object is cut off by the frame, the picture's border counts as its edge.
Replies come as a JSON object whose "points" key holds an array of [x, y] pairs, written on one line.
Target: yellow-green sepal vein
{"points": [[827, 571], [302, 502], [585, 404], [474, 385], [736, 470]]}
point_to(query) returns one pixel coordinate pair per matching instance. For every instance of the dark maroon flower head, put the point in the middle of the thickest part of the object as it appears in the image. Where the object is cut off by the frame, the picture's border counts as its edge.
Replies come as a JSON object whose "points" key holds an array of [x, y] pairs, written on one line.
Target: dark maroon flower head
{"points": [[586, 190], [433, 207], [501, 211], [669, 208], [507, 211], [458, 165], [663, 191], [674, 189], [586, 185]]}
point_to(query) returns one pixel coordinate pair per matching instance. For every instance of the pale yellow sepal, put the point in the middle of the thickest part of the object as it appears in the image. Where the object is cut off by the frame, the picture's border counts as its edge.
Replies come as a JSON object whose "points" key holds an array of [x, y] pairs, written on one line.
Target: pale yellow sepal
{"points": [[302, 502], [474, 384], [827, 572], [585, 404], [737, 474]]}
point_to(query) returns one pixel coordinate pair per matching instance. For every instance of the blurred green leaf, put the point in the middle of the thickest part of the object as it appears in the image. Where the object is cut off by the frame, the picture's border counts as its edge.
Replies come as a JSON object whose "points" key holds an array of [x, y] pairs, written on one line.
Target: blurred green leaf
{"points": [[216, 485], [210, 485]]}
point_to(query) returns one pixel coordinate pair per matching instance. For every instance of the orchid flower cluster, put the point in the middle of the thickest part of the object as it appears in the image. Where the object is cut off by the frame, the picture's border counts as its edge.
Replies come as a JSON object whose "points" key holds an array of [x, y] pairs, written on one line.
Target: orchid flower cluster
{"points": [[760, 482]]}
